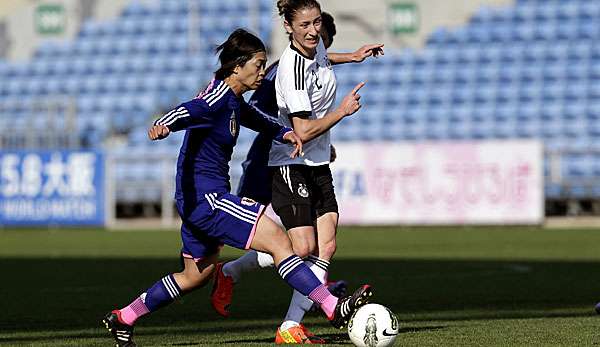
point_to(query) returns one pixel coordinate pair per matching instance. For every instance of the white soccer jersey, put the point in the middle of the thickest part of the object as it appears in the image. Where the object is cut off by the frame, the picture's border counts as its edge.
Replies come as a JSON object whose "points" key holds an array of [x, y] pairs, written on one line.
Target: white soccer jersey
{"points": [[305, 88]]}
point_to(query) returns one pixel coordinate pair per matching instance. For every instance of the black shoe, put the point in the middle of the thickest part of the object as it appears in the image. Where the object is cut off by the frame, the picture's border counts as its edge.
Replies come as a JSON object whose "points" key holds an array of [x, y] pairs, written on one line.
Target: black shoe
{"points": [[346, 306], [122, 333]]}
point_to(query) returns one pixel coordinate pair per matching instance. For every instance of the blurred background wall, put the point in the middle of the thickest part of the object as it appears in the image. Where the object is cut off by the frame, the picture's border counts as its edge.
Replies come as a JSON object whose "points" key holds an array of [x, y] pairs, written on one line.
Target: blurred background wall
{"points": [[89, 76]]}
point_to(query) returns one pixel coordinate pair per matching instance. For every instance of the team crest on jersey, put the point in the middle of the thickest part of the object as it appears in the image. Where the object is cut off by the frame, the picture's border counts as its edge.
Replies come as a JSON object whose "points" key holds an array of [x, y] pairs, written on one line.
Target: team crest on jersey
{"points": [[302, 190], [233, 124], [248, 201]]}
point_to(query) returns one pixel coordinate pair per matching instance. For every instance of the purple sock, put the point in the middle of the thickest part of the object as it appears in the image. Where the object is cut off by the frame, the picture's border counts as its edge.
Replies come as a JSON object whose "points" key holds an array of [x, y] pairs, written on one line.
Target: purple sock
{"points": [[298, 275], [162, 293]]}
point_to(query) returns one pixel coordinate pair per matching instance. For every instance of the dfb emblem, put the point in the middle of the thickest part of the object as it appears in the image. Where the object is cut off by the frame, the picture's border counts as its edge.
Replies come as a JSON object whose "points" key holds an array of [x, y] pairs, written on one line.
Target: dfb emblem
{"points": [[302, 190], [233, 124]]}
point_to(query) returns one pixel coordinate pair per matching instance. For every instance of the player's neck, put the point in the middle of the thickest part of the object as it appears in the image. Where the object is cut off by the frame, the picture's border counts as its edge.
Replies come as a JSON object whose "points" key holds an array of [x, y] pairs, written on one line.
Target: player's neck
{"points": [[307, 53], [237, 87]]}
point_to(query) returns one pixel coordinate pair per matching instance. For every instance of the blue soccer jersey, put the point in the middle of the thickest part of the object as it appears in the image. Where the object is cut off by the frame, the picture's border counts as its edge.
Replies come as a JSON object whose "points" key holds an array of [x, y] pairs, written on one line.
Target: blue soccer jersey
{"points": [[212, 121], [212, 216], [256, 177]]}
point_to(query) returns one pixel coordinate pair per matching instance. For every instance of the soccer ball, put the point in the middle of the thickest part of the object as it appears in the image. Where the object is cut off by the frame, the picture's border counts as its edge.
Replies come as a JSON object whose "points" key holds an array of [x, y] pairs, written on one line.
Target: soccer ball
{"points": [[373, 325]]}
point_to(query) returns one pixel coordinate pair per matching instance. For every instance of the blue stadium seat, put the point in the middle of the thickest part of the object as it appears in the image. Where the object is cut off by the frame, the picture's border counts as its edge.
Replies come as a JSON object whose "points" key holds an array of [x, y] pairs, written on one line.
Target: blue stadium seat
{"points": [[529, 70], [175, 8], [137, 9]]}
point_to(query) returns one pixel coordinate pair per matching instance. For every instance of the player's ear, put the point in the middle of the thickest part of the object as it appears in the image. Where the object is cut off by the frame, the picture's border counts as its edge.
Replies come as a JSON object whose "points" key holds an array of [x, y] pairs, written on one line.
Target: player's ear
{"points": [[288, 27]]}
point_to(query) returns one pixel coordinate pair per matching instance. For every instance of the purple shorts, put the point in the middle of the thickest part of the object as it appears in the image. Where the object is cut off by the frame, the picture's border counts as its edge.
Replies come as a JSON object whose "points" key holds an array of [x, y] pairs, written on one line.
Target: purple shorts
{"points": [[219, 218]]}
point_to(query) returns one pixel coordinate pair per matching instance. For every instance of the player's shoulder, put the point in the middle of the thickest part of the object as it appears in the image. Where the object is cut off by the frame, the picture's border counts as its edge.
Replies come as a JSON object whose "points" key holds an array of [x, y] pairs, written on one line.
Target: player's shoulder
{"points": [[271, 72], [288, 58], [291, 71], [214, 95]]}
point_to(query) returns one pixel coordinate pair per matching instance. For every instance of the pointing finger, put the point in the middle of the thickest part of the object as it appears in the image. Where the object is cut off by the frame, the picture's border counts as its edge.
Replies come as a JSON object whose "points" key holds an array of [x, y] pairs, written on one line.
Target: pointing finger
{"points": [[357, 88]]}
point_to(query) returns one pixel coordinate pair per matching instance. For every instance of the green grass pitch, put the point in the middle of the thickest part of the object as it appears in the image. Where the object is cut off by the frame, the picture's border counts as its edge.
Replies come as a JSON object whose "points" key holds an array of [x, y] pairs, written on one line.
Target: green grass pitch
{"points": [[449, 287]]}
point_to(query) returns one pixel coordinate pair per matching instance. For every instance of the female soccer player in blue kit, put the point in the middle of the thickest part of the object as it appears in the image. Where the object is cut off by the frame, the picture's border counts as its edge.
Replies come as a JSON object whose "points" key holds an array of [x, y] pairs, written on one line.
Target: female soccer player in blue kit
{"points": [[211, 216]]}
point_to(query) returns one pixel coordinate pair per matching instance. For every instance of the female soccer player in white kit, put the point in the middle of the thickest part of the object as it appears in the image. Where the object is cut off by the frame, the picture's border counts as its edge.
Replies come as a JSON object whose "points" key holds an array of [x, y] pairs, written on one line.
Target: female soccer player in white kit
{"points": [[303, 195]]}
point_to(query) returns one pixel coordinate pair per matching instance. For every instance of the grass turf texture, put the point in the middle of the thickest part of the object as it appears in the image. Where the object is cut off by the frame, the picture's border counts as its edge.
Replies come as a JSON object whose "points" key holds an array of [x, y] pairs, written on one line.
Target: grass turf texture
{"points": [[448, 286]]}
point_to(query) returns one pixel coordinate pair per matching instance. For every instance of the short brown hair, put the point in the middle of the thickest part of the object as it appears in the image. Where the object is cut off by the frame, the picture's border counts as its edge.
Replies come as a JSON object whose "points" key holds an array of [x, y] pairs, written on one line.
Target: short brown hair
{"points": [[288, 8]]}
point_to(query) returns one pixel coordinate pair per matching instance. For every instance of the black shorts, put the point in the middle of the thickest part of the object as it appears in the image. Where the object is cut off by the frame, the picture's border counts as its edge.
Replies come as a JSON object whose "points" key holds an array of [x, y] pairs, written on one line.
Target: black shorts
{"points": [[302, 193]]}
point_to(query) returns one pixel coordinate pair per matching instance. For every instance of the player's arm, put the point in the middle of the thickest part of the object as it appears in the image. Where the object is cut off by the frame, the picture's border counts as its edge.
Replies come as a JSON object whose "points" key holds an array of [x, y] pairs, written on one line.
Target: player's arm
{"points": [[253, 118], [308, 128], [189, 115], [358, 56]]}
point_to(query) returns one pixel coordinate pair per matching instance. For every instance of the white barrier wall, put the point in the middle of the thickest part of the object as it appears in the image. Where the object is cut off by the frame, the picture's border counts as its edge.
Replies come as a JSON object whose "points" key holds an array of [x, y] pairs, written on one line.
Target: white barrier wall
{"points": [[491, 182]]}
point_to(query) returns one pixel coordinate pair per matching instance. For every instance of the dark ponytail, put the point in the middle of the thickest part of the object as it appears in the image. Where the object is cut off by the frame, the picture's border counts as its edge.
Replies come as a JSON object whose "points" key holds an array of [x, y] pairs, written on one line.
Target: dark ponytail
{"points": [[239, 47]]}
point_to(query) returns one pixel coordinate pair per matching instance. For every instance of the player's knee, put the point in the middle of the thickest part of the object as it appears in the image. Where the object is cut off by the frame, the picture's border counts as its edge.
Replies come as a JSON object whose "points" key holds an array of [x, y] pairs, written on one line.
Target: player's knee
{"points": [[279, 243], [304, 249]]}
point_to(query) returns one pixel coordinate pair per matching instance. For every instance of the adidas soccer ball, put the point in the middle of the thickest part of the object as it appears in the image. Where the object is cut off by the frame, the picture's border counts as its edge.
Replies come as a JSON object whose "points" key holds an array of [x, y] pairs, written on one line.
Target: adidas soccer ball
{"points": [[373, 325]]}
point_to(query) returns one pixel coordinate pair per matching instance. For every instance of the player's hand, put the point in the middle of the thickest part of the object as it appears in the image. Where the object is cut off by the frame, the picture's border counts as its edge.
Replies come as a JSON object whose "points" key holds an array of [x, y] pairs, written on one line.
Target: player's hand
{"points": [[158, 132], [294, 139], [351, 102], [333, 155], [372, 50]]}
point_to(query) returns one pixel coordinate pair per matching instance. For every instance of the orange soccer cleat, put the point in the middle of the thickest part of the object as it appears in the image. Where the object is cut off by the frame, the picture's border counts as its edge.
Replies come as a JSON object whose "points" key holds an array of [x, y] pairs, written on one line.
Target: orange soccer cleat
{"points": [[297, 335], [222, 291]]}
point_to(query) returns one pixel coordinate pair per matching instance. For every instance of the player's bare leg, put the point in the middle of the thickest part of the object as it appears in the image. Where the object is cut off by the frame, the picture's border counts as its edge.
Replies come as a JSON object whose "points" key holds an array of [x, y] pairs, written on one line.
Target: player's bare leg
{"points": [[326, 235], [317, 261], [326, 248]]}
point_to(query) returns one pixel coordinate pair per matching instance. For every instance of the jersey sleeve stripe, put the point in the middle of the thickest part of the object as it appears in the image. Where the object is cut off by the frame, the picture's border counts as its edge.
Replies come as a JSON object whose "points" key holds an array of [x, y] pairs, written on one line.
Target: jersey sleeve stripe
{"points": [[178, 117], [183, 114], [218, 96], [296, 67], [210, 202], [168, 116], [213, 91], [172, 115], [302, 74], [299, 65]]}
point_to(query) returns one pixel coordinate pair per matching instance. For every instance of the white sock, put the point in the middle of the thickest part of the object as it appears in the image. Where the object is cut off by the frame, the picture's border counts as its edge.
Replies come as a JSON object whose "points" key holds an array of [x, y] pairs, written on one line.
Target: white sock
{"points": [[301, 304], [246, 262], [288, 324], [265, 260], [319, 267]]}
